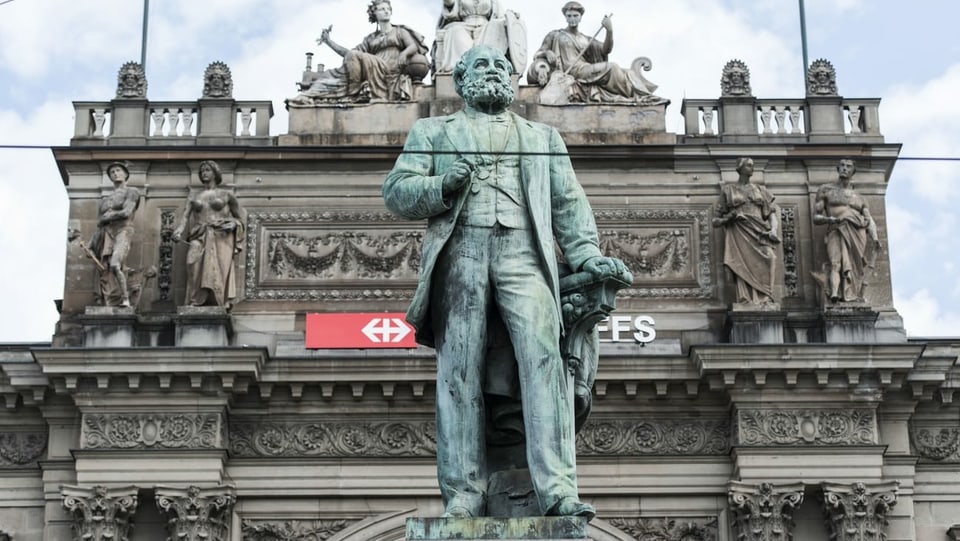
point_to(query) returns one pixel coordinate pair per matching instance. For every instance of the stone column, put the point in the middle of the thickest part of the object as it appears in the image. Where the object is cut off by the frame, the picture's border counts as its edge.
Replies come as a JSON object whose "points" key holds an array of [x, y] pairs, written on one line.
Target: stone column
{"points": [[858, 512], [764, 512], [101, 513], [197, 514]]}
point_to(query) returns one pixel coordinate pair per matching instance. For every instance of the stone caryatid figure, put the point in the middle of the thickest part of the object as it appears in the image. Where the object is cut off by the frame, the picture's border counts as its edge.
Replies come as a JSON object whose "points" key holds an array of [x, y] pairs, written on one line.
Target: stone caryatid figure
{"points": [[574, 67], [466, 23], [498, 193], [110, 243], [101, 513], [131, 81], [381, 68], [751, 224], [850, 233], [212, 226], [217, 81]]}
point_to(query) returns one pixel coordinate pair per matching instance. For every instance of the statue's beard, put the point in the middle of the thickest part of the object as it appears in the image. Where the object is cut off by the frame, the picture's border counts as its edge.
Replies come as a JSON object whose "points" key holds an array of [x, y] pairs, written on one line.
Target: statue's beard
{"points": [[482, 93]]}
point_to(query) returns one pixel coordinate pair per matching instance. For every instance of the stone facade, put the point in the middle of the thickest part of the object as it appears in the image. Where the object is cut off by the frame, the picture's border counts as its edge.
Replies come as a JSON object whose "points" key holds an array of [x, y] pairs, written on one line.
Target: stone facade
{"points": [[237, 431]]}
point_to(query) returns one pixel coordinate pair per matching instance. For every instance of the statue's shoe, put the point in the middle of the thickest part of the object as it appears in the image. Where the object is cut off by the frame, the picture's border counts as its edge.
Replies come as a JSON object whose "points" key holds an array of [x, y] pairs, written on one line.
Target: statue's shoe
{"points": [[572, 507], [457, 512]]}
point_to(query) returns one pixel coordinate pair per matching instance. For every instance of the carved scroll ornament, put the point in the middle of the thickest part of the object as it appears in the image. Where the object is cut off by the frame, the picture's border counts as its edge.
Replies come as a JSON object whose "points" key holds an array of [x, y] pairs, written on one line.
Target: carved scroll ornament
{"points": [[292, 530], [858, 512], [807, 427], [171, 431], [100, 513], [764, 512], [668, 528], [196, 514]]}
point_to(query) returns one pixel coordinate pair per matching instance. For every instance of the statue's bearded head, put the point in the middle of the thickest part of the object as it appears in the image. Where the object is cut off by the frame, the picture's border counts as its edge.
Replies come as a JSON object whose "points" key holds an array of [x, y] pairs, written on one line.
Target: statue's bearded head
{"points": [[482, 78]]}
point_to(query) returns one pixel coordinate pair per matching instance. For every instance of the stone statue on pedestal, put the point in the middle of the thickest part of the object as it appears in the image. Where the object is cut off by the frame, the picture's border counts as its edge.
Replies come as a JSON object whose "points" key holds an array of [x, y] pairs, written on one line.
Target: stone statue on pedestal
{"points": [[466, 23], [498, 193], [849, 224], [574, 67], [110, 243], [751, 224], [215, 236], [382, 68]]}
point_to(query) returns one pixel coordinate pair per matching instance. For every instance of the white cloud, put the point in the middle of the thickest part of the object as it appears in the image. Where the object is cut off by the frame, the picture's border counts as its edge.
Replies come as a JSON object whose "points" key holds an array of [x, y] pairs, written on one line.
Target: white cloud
{"points": [[924, 316]]}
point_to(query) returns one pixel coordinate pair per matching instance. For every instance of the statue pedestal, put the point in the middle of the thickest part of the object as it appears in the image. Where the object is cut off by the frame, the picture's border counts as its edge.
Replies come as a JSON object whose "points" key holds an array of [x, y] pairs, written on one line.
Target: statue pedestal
{"points": [[849, 323], [205, 326], [108, 327], [752, 326], [490, 528]]}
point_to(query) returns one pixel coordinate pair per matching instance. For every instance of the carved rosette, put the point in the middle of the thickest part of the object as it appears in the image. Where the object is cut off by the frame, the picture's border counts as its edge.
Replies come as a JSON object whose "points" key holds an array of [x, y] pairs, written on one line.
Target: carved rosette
{"points": [[668, 528], [291, 530], [21, 448], [764, 512], [858, 512], [196, 514], [821, 79], [654, 437], [131, 81], [100, 513], [735, 80], [336, 439], [806, 427], [217, 81], [170, 431], [935, 443]]}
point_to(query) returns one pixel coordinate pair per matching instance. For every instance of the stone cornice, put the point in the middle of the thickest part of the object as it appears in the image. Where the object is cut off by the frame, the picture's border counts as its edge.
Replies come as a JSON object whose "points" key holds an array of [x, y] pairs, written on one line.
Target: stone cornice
{"points": [[221, 367], [844, 365]]}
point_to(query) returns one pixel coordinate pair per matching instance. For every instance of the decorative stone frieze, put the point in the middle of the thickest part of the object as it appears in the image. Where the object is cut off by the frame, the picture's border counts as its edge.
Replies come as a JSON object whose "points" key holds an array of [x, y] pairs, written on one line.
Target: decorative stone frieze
{"points": [[131, 81], [291, 530], [935, 443], [19, 449], [217, 81], [764, 512], [196, 514], [654, 437], [668, 529], [806, 427], [343, 255], [144, 431], [334, 439], [821, 79], [735, 81], [101, 513], [418, 439], [858, 512]]}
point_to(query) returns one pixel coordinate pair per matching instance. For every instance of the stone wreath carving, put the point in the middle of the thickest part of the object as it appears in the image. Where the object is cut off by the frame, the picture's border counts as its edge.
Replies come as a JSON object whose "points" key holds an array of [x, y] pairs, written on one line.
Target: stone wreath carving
{"points": [[938, 444], [292, 530], [21, 448], [117, 431], [668, 528], [807, 427]]}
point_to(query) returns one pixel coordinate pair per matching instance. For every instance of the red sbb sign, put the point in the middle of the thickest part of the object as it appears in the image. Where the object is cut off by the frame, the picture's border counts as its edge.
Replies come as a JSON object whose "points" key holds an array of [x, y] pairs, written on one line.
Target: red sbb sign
{"points": [[359, 330]]}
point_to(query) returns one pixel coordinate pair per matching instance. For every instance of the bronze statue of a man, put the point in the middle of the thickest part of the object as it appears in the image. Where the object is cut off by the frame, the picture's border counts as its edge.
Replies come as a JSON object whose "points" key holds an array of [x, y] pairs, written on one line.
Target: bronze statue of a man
{"points": [[849, 223], [497, 191]]}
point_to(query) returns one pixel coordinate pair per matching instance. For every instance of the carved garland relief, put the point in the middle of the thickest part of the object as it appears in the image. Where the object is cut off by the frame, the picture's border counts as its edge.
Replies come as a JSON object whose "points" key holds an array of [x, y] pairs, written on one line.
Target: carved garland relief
{"points": [[291, 530], [324, 255], [936, 443], [668, 529], [21, 448]]}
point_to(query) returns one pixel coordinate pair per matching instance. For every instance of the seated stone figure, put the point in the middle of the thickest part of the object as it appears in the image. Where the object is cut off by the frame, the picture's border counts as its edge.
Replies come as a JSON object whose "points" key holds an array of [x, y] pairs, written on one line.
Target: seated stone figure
{"points": [[381, 68], [466, 23], [573, 67]]}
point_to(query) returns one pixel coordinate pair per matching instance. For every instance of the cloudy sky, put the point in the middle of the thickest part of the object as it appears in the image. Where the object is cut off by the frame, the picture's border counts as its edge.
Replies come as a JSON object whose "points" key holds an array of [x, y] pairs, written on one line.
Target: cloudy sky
{"points": [[53, 52]]}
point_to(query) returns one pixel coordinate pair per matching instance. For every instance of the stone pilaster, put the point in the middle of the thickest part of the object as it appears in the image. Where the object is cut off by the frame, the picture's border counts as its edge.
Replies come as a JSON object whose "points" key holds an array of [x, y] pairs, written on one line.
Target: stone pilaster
{"points": [[197, 514], [764, 512], [858, 512], [101, 513]]}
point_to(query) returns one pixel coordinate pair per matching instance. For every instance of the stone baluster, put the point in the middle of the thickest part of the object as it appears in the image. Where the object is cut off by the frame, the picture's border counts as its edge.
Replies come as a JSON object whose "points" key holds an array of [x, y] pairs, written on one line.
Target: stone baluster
{"points": [[159, 117], [780, 113], [100, 513], [246, 118], [764, 512], [858, 512], [766, 115], [708, 114], [196, 514], [795, 125]]}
